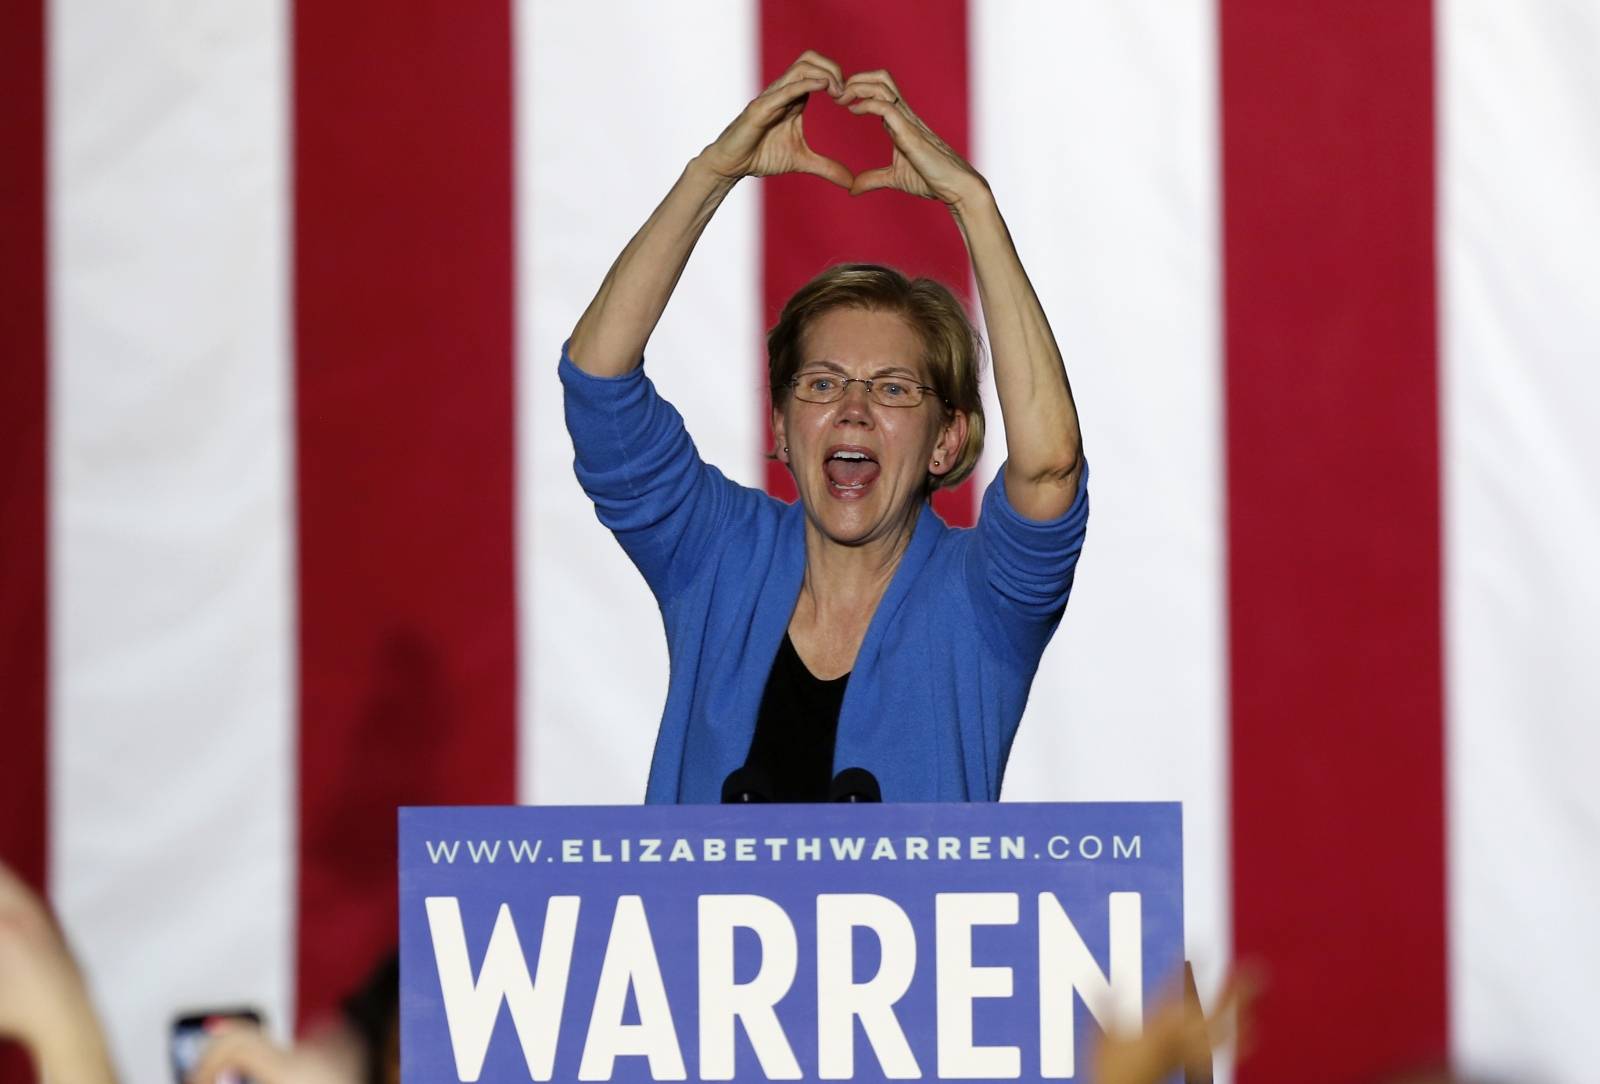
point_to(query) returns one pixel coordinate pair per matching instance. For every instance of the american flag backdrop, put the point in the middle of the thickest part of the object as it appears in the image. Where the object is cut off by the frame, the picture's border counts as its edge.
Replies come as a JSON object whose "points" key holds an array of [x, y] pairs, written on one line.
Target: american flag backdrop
{"points": [[289, 532]]}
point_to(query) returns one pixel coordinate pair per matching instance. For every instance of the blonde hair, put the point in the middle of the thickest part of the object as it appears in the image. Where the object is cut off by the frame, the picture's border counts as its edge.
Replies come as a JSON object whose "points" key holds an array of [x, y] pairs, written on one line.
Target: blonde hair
{"points": [[952, 350]]}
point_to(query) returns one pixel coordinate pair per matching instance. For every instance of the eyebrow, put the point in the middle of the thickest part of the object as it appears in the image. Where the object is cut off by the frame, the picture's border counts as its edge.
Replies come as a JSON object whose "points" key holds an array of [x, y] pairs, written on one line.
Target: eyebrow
{"points": [[887, 370]]}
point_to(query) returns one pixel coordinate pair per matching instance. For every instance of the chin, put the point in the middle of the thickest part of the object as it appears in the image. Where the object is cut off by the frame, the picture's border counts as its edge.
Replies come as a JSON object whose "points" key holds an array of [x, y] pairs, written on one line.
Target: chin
{"points": [[848, 533], [854, 521]]}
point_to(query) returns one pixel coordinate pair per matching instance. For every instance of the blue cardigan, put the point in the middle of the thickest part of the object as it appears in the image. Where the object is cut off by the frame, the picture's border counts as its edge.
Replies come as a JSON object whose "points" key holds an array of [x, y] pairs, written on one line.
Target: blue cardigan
{"points": [[941, 678]]}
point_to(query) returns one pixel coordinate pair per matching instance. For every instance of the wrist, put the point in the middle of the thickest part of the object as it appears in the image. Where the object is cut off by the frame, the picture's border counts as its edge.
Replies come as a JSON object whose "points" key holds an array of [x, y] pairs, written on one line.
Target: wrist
{"points": [[978, 218], [974, 199], [704, 174]]}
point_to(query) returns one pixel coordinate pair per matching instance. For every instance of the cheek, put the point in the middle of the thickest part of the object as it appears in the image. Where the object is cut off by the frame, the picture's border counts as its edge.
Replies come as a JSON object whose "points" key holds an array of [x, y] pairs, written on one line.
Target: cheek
{"points": [[811, 425], [924, 435]]}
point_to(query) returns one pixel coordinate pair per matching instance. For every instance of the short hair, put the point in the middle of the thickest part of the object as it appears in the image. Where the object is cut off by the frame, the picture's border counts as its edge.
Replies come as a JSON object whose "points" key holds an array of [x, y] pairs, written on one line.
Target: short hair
{"points": [[952, 349]]}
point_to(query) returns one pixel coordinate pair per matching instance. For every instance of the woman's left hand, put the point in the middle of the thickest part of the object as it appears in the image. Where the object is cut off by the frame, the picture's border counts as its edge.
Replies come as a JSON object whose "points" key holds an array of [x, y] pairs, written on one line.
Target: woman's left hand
{"points": [[923, 164]]}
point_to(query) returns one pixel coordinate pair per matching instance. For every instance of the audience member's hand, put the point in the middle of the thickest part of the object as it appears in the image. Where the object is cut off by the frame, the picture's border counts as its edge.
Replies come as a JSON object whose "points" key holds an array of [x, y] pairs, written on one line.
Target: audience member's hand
{"points": [[239, 1050], [36, 970], [44, 1002], [1177, 1035]]}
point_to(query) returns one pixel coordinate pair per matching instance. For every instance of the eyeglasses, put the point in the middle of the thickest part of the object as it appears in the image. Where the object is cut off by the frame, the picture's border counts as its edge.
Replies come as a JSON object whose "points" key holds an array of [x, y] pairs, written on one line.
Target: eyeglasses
{"points": [[825, 387]]}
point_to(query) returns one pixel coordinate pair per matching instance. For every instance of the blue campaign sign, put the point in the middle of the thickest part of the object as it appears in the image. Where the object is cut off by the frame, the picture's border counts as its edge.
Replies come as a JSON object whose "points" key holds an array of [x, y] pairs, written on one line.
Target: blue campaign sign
{"points": [[774, 942]]}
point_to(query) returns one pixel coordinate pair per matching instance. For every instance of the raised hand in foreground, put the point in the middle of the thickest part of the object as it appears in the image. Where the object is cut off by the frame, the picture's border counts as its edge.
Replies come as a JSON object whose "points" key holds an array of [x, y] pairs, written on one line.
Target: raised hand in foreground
{"points": [[239, 1050], [44, 1001], [1177, 1035]]}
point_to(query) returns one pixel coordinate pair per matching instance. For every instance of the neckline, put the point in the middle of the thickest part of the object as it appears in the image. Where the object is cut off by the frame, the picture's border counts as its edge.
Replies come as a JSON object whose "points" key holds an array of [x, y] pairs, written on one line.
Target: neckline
{"points": [[794, 653], [790, 572]]}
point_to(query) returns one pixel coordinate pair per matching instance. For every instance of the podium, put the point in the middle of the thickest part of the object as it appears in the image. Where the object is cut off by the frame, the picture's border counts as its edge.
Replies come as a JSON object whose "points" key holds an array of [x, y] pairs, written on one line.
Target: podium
{"points": [[781, 942]]}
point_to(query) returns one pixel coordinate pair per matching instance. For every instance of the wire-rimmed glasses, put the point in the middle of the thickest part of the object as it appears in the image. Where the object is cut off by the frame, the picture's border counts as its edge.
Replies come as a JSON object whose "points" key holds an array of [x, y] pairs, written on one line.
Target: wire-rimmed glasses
{"points": [[821, 386]]}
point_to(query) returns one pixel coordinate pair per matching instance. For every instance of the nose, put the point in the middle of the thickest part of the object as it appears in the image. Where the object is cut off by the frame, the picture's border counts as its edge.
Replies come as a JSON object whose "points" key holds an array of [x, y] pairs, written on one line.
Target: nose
{"points": [[853, 407]]}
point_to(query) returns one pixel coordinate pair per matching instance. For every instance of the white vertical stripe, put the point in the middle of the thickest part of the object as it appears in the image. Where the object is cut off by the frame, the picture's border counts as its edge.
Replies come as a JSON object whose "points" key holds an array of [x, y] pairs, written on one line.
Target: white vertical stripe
{"points": [[171, 606], [1108, 182], [1520, 244], [613, 99]]}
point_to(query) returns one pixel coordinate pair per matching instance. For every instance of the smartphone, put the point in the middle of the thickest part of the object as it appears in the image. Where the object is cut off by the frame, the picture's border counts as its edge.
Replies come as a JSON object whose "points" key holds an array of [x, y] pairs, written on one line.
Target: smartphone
{"points": [[191, 1032]]}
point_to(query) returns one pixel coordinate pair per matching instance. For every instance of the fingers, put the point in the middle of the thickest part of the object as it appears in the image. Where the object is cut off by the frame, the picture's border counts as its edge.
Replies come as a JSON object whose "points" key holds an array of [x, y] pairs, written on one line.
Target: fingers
{"points": [[807, 76], [828, 169], [857, 91], [816, 59], [811, 66], [880, 107], [1230, 1020], [901, 128], [812, 71], [782, 97], [880, 76], [795, 84], [1204, 1032], [878, 84], [872, 179], [899, 134], [239, 1050]]}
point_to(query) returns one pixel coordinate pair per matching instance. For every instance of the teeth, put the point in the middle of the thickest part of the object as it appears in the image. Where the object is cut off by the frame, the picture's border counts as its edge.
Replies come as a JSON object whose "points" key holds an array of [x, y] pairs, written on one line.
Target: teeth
{"points": [[850, 455]]}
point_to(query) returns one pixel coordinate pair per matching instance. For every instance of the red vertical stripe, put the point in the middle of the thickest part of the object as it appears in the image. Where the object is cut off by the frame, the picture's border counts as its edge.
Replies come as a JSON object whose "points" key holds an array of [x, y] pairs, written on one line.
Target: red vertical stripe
{"points": [[403, 330], [809, 224], [22, 438], [23, 384], [1333, 531]]}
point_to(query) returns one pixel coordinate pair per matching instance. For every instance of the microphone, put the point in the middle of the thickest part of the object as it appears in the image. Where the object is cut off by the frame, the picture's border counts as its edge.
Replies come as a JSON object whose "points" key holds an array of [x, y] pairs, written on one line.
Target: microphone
{"points": [[745, 786], [855, 785]]}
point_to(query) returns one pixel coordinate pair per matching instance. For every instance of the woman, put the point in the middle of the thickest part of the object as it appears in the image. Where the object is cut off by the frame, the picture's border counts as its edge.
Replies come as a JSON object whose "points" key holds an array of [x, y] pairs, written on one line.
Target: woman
{"points": [[852, 629]]}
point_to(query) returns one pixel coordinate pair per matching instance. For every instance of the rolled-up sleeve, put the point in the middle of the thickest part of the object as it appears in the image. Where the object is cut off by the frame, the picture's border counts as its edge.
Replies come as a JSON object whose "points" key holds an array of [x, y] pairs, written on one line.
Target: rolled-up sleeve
{"points": [[1020, 571]]}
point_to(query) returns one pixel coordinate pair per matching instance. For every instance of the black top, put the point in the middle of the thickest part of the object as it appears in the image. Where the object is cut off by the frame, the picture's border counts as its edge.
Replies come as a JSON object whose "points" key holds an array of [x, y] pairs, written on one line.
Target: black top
{"points": [[795, 729]]}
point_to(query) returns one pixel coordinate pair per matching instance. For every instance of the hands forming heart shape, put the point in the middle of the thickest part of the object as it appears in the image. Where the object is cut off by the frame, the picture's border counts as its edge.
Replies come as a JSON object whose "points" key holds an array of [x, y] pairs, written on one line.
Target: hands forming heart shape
{"points": [[767, 139]]}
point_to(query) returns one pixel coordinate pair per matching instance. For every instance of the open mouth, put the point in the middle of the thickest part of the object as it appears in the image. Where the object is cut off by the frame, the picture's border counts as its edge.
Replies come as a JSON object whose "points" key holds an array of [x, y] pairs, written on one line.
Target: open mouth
{"points": [[850, 471]]}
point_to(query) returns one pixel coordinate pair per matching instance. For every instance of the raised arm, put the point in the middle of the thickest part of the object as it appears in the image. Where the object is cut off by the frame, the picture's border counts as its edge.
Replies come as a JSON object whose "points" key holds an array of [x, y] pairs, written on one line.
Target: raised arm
{"points": [[764, 140], [44, 1000], [1044, 449]]}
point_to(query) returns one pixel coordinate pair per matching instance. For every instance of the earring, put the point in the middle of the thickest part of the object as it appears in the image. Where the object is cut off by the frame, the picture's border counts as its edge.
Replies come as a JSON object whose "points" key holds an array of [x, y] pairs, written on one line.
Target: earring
{"points": [[785, 449], [936, 462]]}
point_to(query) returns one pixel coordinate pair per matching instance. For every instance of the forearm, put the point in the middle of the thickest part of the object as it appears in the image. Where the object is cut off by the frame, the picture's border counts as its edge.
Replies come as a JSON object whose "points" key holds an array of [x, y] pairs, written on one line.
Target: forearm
{"points": [[1044, 449], [611, 335], [73, 1050]]}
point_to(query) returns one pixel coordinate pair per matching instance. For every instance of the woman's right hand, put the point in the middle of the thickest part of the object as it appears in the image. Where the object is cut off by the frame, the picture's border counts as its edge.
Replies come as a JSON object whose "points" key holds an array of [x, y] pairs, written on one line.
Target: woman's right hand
{"points": [[767, 139]]}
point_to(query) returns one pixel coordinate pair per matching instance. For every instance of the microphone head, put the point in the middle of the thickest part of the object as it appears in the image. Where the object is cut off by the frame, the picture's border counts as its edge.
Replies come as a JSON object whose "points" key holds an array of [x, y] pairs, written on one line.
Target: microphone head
{"points": [[855, 785], [746, 785]]}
